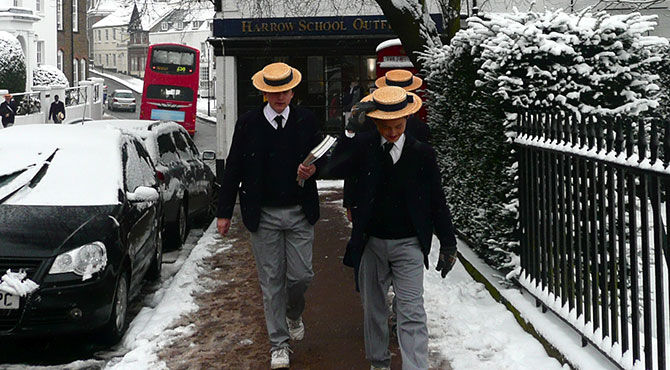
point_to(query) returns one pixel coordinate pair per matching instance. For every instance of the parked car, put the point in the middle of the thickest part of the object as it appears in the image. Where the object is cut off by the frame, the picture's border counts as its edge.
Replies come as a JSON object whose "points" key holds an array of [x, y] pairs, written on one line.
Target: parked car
{"points": [[188, 185], [122, 99], [80, 214]]}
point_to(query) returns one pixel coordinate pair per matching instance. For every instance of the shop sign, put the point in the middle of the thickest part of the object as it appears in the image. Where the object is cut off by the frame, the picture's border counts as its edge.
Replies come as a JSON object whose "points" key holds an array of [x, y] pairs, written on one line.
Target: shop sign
{"points": [[307, 26]]}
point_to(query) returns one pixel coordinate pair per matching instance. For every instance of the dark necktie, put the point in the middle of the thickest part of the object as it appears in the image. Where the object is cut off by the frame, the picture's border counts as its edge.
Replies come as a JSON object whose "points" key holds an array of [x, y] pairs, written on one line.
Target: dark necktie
{"points": [[279, 120], [388, 159]]}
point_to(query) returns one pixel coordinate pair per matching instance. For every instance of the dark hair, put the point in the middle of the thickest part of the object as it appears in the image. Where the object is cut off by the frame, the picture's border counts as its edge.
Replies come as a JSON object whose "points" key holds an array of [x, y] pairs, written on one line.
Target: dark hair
{"points": [[55, 96]]}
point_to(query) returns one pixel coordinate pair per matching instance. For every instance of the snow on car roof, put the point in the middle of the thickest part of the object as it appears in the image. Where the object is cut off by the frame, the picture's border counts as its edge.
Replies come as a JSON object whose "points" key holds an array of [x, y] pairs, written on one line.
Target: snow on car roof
{"points": [[85, 168], [145, 129]]}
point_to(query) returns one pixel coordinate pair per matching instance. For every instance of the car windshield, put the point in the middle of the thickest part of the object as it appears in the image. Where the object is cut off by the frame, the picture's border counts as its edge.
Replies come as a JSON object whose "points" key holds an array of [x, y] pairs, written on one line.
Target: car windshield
{"points": [[72, 173], [123, 95]]}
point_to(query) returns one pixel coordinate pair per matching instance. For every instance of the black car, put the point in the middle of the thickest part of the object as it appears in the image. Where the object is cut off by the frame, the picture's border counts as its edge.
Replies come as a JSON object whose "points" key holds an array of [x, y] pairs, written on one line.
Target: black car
{"points": [[80, 214], [188, 185]]}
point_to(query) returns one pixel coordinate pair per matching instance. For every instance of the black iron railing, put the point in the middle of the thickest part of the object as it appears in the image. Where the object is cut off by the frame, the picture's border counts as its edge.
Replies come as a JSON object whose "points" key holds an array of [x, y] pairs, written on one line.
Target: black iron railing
{"points": [[594, 219]]}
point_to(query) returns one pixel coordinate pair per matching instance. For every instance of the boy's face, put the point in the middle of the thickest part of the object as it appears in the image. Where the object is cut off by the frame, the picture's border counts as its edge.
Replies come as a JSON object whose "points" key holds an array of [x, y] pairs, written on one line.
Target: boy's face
{"points": [[279, 100], [391, 129]]}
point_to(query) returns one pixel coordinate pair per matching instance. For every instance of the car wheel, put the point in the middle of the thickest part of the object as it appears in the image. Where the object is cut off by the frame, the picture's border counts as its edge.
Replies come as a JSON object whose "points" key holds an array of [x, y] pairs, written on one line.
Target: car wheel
{"points": [[154, 272], [178, 231], [116, 326]]}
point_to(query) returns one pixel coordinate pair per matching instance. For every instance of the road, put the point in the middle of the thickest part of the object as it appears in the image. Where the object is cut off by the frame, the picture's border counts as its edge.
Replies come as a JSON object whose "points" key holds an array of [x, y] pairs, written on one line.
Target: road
{"points": [[113, 85]]}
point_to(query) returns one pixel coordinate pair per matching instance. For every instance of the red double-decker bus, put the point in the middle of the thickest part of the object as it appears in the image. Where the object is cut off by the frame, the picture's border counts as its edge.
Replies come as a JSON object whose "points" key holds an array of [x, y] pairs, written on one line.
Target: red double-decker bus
{"points": [[171, 84]]}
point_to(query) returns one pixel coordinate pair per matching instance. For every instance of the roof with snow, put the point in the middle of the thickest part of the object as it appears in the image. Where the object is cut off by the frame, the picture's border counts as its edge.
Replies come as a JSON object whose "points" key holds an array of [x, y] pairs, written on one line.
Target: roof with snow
{"points": [[121, 17], [152, 13], [201, 12]]}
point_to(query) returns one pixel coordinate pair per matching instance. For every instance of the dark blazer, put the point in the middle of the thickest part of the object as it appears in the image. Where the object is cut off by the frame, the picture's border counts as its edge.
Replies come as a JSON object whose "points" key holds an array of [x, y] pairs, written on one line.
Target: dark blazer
{"points": [[55, 108], [6, 109], [360, 156], [415, 128], [245, 166]]}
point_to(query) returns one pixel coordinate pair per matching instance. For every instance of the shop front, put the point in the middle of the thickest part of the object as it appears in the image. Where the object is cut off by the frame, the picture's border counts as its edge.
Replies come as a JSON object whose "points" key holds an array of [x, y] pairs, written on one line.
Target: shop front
{"points": [[331, 53]]}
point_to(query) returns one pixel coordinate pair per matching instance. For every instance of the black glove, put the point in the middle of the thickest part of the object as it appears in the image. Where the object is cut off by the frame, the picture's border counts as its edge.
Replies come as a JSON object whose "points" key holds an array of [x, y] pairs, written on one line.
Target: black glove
{"points": [[358, 112], [446, 262]]}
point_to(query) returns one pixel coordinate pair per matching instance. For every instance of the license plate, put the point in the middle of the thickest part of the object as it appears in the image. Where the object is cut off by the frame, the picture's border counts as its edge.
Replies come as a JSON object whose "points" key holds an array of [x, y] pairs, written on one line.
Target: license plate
{"points": [[8, 301]]}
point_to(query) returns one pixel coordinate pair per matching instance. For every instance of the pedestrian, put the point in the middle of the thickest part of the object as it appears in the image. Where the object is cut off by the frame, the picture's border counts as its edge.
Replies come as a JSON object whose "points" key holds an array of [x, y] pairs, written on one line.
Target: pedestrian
{"points": [[8, 110], [415, 127], [57, 110], [351, 97], [399, 203], [268, 147]]}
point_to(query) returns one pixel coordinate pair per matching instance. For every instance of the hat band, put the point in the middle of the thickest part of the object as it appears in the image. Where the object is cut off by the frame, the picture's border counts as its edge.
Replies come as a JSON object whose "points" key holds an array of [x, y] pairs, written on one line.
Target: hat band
{"points": [[394, 107], [399, 83], [283, 81]]}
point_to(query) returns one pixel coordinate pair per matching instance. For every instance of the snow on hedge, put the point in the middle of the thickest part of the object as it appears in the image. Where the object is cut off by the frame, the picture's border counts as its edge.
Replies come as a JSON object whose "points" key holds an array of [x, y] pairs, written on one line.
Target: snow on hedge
{"points": [[48, 75], [12, 64], [587, 63]]}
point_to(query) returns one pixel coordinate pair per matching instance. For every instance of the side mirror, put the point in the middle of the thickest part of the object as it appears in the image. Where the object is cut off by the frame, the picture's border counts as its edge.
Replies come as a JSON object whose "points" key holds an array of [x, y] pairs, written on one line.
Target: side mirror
{"points": [[208, 155], [142, 194]]}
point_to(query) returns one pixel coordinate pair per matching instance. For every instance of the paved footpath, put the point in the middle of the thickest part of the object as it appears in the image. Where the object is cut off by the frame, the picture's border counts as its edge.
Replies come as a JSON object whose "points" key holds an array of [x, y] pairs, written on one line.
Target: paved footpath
{"points": [[229, 328]]}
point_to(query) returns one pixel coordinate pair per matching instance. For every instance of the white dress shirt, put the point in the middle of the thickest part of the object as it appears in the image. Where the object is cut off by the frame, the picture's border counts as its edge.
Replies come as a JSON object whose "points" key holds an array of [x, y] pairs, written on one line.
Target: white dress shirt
{"points": [[396, 150], [270, 115], [397, 146]]}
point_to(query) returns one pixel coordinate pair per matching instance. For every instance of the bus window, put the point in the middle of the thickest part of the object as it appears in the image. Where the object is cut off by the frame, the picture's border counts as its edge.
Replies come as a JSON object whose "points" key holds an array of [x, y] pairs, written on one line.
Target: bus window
{"points": [[160, 56], [164, 92]]}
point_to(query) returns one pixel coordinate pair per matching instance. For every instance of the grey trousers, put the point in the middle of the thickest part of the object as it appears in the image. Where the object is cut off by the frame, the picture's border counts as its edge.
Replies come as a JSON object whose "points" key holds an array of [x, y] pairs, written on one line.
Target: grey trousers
{"points": [[282, 247], [399, 261]]}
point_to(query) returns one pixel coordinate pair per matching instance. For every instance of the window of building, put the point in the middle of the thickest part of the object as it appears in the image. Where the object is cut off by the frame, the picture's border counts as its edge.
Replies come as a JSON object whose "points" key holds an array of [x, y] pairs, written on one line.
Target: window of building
{"points": [[40, 52], [107, 59], [114, 60], [38, 5], [17, 3], [196, 24], [59, 60], [75, 16], [75, 71], [114, 34], [59, 14], [99, 36], [82, 70], [106, 35], [165, 26]]}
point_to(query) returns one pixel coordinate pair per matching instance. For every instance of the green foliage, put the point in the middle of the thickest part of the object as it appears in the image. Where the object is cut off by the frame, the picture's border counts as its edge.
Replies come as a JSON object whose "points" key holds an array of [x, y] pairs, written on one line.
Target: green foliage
{"points": [[12, 64], [468, 127]]}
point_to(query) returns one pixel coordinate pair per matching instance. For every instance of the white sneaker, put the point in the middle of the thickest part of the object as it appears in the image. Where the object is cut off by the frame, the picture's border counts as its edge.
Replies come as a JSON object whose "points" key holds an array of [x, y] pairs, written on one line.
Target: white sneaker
{"points": [[296, 329], [279, 359]]}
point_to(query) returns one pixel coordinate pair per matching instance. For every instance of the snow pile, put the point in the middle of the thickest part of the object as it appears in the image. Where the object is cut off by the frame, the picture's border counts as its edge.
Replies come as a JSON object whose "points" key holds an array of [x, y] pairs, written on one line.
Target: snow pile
{"points": [[152, 328], [48, 75], [473, 331], [16, 283], [12, 64]]}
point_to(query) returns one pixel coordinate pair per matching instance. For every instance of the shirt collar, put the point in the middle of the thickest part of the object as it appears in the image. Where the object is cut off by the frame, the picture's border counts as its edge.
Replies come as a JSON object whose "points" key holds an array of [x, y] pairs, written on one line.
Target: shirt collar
{"points": [[398, 143], [270, 114]]}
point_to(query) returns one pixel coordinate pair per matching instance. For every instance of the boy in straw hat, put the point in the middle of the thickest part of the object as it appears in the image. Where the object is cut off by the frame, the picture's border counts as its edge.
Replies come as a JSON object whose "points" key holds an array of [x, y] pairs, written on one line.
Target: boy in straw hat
{"points": [[399, 202], [268, 147]]}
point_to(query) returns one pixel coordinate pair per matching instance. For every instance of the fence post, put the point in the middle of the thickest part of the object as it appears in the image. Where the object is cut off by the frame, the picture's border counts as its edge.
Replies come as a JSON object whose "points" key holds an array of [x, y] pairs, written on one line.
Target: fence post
{"points": [[45, 100]]}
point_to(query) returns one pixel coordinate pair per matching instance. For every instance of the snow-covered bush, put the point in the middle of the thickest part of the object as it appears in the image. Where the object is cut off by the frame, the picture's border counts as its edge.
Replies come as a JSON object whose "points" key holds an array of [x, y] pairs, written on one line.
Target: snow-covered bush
{"points": [[12, 64], [48, 75], [505, 63]]}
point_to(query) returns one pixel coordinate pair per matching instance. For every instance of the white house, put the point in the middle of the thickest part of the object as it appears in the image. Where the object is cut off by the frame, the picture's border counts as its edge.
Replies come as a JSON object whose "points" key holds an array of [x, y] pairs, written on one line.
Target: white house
{"points": [[110, 40], [33, 22], [190, 27]]}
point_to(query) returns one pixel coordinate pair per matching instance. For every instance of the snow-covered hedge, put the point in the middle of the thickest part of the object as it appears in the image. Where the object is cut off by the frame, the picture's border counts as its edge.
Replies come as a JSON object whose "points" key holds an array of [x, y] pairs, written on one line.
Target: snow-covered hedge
{"points": [[12, 64], [48, 75], [505, 63]]}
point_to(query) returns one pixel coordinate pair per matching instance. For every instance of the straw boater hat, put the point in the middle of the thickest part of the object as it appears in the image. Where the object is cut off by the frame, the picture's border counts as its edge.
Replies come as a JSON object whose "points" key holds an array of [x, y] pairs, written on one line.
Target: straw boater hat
{"points": [[7, 95], [276, 77], [393, 102], [401, 78]]}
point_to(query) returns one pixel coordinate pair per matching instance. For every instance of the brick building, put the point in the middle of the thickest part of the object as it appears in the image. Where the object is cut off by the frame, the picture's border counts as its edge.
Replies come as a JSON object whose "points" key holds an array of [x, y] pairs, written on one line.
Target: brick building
{"points": [[72, 41]]}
